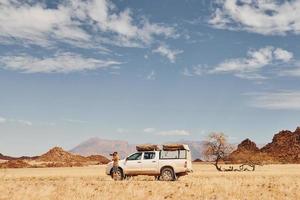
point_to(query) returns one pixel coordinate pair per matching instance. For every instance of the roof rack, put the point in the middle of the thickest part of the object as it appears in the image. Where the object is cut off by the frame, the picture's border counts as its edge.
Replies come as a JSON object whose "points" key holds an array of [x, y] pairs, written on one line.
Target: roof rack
{"points": [[175, 147], [165, 147], [147, 147]]}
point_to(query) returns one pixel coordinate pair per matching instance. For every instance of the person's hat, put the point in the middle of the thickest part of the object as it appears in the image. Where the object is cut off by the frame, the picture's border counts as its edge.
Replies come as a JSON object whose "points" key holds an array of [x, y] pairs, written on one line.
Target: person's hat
{"points": [[112, 154]]}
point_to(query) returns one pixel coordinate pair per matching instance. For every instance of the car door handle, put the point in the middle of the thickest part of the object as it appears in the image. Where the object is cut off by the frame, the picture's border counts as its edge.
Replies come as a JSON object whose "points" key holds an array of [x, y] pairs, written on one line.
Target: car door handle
{"points": [[139, 162], [153, 161]]}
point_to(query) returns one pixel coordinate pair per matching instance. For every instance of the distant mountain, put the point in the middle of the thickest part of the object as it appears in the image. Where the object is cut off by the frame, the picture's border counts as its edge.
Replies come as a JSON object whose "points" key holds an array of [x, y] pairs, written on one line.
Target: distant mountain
{"points": [[3, 157], [106, 147]]}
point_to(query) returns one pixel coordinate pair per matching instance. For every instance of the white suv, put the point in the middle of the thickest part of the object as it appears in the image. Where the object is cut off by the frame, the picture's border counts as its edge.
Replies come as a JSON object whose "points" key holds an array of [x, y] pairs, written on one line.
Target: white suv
{"points": [[164, 164]]}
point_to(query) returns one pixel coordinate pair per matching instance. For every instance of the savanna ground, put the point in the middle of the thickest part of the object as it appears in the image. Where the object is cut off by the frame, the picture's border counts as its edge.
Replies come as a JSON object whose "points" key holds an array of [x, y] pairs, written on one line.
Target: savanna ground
{"points": [[267, 182]]}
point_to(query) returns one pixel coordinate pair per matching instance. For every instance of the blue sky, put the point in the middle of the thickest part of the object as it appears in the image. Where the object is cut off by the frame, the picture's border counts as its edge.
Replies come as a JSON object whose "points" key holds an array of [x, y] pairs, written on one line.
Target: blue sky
{"points": [[146, 71]]}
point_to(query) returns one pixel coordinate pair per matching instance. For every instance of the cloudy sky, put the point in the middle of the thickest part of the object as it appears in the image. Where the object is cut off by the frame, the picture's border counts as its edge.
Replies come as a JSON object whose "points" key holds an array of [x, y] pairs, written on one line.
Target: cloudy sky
{"points": [[146, 71]]}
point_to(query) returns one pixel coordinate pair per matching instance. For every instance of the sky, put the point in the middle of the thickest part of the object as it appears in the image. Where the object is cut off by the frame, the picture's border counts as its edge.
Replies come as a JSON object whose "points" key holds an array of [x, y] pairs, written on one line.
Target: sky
{"points": [[146, 71]]}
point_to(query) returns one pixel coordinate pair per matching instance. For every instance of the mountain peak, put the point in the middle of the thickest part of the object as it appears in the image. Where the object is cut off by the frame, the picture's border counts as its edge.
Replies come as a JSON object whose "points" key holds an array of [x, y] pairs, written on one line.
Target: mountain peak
{"points": [[60, 155], [247, 145]]}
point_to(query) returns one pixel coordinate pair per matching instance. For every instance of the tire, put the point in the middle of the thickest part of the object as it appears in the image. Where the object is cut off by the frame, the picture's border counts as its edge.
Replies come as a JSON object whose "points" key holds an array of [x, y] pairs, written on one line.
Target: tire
{"points": [[167, 174], [119, 175], [127, 178]]}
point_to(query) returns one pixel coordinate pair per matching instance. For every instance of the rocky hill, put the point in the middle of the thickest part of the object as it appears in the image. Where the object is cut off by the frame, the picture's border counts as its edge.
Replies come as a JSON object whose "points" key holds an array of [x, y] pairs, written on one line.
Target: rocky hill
{"points": [[284, 148], [14, 164], [57, 154], [247, 151]]}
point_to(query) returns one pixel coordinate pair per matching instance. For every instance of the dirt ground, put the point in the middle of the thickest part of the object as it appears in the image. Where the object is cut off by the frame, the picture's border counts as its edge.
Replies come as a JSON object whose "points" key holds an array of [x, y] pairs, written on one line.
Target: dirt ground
{"points": [[267, 182]]}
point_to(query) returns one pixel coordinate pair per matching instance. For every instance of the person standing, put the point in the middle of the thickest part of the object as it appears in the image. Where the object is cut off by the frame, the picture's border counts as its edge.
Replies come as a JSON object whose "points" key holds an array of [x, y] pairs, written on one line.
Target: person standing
{"points": [[115, 159]]}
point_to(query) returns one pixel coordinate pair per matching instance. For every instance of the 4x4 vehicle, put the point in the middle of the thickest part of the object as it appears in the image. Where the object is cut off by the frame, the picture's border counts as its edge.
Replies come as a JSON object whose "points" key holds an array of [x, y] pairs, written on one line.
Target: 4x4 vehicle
{"points": [[168, 163]]}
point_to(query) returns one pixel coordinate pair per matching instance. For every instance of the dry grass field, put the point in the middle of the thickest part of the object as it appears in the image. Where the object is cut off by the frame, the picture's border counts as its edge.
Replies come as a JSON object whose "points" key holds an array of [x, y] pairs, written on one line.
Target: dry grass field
{"points": [[268, 182]]}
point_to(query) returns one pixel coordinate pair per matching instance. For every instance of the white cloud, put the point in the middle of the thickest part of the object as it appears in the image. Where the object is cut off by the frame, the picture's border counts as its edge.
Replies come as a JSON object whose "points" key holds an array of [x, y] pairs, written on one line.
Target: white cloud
{"points": [[101, 20], [254, 61], [149, 130], [76, 121], [292, 71], [281, 54], [174, 133], [186, 72], [167, 52], [15, 121], [151, 76], [22, 122], [16, 23], [282, 100], [59, 63], [264, 17], [90, 24], [250, 66], [2, 120], [122, 130], [251, 76], [195, 70]]}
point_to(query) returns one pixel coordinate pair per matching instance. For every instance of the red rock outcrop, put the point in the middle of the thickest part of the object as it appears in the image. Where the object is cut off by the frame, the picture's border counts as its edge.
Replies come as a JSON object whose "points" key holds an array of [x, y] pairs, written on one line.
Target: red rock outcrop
{"points": [[59, 157], [247, 151], [57, 154], [284, 148]]}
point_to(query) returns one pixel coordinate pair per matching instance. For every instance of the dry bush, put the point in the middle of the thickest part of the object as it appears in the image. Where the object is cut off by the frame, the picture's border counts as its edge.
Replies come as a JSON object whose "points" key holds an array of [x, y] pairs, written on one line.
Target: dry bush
{"points": [[216, 148]]}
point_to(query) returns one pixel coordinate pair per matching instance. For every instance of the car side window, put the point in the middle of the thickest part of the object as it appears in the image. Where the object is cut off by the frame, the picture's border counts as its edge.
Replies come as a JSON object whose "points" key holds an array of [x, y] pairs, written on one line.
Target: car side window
{"points": [[136, 156], [149, 155]]}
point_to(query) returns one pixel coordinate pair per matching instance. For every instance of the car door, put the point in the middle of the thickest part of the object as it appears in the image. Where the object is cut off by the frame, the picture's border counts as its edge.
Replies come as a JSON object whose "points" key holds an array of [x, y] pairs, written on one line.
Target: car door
{"points": [[133, 163], [149, 162]]}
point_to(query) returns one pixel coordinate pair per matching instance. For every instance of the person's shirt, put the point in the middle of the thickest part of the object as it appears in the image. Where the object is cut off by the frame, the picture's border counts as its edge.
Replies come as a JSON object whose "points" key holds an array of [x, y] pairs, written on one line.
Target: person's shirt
{"points": [[115, 160]]}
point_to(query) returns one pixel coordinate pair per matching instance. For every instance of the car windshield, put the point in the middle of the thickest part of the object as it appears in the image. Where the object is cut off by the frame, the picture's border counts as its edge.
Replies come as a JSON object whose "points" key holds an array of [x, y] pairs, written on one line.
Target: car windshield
{"points": [[136, 156]]}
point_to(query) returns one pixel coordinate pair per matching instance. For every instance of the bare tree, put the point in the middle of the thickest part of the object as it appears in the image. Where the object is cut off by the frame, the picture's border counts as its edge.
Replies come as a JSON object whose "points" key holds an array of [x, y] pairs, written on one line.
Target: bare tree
{"points": [[216, 148]]}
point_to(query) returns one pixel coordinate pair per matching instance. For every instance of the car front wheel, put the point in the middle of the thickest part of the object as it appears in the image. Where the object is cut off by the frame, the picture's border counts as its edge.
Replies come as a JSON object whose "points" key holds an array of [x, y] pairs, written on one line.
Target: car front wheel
{"points": [[118, 176]]}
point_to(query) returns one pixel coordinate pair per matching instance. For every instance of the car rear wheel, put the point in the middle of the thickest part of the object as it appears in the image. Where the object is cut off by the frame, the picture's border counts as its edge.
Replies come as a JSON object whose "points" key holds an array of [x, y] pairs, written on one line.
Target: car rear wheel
{"points": [[167, 174]]}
